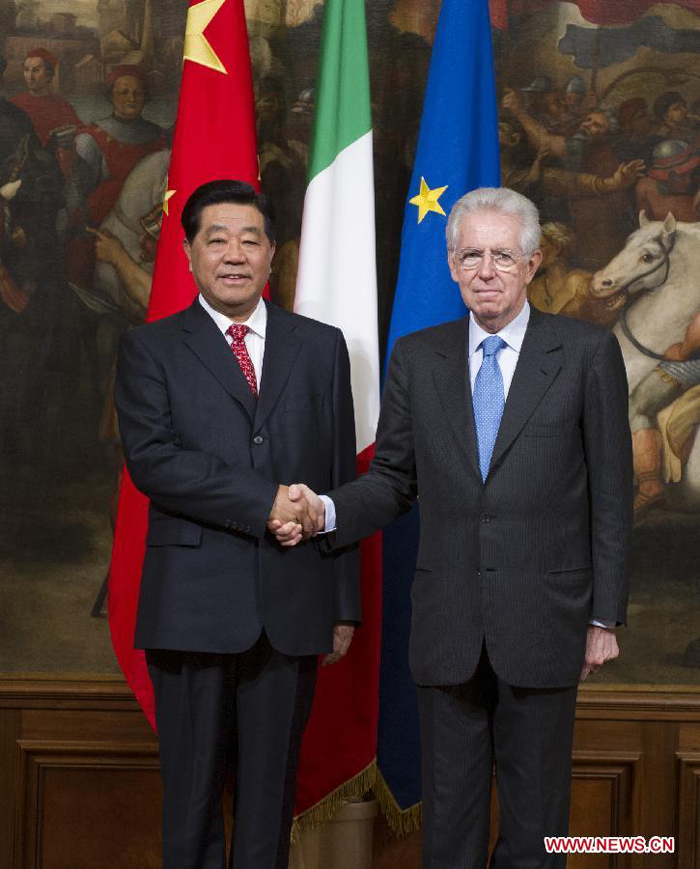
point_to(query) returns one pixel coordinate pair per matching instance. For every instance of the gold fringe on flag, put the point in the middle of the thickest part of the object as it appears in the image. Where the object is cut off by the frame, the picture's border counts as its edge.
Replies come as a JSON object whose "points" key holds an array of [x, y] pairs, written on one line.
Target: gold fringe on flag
{"points": [[324, 810], [401, 821]]}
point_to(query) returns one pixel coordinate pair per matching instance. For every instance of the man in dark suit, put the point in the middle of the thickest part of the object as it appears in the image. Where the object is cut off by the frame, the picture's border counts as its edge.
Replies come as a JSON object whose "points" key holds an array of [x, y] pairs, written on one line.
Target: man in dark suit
{"points": [[511, 427], [219, 406]]}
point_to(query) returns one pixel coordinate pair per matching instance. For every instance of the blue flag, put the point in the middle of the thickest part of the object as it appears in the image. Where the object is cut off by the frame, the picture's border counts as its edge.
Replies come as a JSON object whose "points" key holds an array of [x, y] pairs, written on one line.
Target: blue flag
{"points": [[457, 152]]}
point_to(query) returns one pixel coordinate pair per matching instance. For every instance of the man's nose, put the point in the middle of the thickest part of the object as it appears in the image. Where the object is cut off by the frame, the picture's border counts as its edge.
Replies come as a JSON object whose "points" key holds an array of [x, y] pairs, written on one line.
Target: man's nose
{"points": [[486, 266], [234, 252]]}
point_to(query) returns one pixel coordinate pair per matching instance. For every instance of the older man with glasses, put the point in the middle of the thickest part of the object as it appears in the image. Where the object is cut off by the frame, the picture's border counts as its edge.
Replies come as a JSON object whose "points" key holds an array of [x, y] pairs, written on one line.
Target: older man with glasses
{"points": [[511, 426]]}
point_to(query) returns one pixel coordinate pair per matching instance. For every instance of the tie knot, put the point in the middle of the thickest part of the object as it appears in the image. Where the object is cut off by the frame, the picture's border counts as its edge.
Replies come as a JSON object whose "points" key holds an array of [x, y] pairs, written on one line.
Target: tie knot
{"points": [[492, 345], [237, 331]]}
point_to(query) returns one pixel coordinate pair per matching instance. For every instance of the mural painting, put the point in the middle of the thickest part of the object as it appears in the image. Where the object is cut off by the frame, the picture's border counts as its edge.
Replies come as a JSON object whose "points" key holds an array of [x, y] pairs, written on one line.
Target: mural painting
{"points": [[599, 124]]}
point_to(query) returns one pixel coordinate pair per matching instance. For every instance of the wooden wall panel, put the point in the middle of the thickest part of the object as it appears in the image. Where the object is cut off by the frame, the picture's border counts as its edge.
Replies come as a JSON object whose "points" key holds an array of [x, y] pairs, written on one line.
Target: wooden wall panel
{"points": [[9, 775], [107, 796], [688, 840], [602, 800], [79, 785]]}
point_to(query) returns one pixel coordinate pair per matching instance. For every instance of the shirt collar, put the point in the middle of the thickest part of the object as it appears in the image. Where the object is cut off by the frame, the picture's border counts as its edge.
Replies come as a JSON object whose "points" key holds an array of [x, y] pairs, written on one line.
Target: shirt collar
{"points": [[513, 333], [257, 322]]}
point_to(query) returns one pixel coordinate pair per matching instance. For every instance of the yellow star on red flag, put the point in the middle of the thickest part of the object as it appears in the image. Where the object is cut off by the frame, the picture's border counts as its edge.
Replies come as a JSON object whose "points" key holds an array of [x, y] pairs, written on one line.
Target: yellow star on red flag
{"points": [[168, 195], [197, 47], [427, 199]]}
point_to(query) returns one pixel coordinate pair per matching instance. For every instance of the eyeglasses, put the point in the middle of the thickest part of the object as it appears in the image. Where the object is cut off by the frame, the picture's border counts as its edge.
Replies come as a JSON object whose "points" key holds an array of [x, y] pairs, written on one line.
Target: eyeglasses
{"points": [[470, 258]]}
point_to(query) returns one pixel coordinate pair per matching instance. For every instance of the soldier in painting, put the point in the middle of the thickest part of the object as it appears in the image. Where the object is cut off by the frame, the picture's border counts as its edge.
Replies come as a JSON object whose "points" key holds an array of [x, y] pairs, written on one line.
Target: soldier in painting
{"points": [[110, 147], [678, 374], [675, 119], [545, 103], [637, 138], [672, 183], [107, 150], [601, 224]]}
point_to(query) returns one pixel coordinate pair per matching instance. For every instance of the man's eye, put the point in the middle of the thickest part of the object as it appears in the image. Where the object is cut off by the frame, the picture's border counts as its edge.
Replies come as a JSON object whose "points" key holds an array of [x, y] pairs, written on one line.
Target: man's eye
{"points": [[251, 241]]}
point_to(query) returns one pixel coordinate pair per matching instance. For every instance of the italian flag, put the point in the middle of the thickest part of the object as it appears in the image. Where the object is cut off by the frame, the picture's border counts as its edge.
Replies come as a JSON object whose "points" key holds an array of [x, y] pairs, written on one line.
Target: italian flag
{"points": [[337, 278], [337, 284]]}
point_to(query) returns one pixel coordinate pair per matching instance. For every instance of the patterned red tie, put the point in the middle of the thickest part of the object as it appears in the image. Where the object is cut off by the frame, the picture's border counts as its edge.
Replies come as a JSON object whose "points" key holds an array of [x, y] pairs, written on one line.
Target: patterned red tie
{"points": [[238, 331]]}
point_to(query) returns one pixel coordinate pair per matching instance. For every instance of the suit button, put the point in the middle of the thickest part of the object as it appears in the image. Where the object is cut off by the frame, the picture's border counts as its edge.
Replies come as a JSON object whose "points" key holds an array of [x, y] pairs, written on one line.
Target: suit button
{"points": [[486, 518], [258, 439]]}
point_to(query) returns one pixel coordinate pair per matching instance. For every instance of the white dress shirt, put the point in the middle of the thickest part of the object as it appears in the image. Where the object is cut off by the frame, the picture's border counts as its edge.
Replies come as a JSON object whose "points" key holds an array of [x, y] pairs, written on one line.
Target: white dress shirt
{"points": [[254, 339], [513, 334]]}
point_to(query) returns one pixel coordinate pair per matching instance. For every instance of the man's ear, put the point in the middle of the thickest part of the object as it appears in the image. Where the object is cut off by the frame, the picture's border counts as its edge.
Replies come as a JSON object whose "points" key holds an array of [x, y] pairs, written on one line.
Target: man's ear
{"points": [[532, 265], [454, 271], [188, 251]]}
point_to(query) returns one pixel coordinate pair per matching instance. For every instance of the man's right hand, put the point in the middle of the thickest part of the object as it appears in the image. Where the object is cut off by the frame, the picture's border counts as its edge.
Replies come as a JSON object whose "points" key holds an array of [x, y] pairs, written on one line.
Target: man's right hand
{"points": [[293, 519], [292, 531]]}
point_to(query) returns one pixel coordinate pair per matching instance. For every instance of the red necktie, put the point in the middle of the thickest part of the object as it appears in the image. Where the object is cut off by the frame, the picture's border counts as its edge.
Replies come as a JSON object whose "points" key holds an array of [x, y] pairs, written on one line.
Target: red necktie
{"points": [[238, 331]]}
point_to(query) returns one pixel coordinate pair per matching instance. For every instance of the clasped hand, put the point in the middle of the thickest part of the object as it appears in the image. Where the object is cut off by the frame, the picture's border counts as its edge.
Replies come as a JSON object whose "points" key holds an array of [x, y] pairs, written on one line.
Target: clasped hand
{"points": [[297, 514]]}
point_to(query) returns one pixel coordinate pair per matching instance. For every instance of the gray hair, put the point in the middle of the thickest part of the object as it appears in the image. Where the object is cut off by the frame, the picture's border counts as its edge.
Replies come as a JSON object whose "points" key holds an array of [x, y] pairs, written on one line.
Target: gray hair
{"points": [[610, 117], [503, 200]]}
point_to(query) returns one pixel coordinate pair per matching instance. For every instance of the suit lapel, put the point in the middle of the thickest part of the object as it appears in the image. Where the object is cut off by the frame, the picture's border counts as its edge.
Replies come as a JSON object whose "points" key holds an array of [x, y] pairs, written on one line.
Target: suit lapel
{"points": [[211, 348], [451, 378], [282, 346], [538, 365]]}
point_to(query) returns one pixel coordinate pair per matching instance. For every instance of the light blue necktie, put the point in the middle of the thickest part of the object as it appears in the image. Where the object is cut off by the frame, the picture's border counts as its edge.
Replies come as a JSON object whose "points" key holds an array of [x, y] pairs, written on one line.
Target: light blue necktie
{"points": [[488, 400]]}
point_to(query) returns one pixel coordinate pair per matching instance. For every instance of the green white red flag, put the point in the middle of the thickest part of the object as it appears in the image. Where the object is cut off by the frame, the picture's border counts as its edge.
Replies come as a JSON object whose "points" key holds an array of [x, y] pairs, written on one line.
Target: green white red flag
{"points": [[337, 284]]}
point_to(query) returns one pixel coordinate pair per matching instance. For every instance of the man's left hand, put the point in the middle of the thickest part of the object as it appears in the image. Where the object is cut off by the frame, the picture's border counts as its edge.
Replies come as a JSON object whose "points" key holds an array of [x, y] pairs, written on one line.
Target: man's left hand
{"points": [[601, 646], [342, 637]]}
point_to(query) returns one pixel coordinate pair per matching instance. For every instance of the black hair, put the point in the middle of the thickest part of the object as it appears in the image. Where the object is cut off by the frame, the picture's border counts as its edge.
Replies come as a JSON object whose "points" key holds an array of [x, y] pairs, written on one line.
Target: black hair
{"points": [[663, 103], [222, 191]]}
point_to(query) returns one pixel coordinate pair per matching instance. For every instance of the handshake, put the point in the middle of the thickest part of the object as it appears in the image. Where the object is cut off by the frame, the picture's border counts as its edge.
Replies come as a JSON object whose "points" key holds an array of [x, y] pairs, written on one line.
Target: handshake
{"points": [[297, 514]]}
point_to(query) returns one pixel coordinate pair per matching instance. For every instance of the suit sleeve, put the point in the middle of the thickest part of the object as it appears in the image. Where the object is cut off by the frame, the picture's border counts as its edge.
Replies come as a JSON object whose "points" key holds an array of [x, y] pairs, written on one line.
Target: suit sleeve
{"points": [[348, 605], [608, 449], [389, 486], [190, 483]]}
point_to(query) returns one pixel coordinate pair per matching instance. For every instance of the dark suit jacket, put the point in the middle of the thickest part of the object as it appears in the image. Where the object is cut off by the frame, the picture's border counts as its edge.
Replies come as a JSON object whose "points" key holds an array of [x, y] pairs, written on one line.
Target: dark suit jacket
{"points": [[525, 559], [210, 457]]}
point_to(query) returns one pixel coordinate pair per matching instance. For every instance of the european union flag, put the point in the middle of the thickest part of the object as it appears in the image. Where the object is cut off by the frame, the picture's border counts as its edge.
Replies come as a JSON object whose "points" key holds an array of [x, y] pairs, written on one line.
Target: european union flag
{"points": [[457, 151]]}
